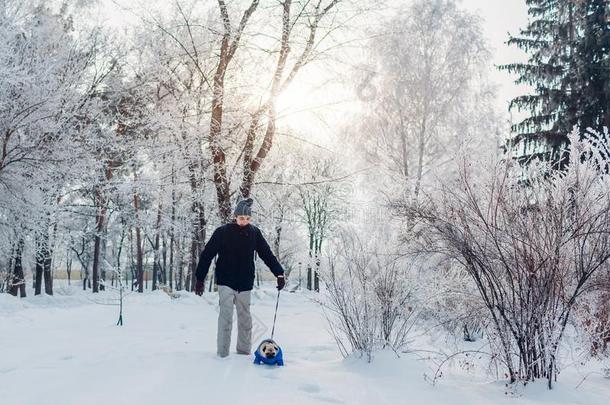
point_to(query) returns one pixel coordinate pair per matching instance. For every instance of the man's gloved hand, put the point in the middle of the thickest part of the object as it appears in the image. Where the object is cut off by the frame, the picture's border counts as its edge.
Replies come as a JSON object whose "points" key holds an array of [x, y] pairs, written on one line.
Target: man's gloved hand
{"points": [[281, 282], [199, 287]]}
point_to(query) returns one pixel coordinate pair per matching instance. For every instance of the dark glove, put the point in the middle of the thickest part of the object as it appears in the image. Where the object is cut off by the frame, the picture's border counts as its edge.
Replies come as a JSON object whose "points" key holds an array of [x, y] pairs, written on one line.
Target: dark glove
{"points": [[199, 287], [281, 282]]}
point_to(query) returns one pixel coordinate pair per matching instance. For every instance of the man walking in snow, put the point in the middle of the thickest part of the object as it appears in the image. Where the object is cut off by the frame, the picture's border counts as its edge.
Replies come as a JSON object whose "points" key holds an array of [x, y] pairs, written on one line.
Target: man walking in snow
{"points": [[235, 244]]}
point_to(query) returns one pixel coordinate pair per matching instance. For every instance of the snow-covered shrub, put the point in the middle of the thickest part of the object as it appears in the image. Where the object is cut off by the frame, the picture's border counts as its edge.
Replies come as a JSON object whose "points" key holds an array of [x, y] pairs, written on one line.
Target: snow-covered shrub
{"points": [[368, 296], [452, 301], [592, 317], [530, 239], [65, 290]]}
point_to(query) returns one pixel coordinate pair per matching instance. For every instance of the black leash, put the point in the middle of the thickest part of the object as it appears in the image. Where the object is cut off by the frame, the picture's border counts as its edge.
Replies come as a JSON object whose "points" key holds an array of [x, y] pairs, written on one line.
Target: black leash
{"points": [[275, 315]]}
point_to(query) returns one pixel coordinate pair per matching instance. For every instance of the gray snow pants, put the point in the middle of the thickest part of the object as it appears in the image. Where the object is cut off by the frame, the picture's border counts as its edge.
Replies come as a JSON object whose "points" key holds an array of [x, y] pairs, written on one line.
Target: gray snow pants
{"points": [[227, 298]]}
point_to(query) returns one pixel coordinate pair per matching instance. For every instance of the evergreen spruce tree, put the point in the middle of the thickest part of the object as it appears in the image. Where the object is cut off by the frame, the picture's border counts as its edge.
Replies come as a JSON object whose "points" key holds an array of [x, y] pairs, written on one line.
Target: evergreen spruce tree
{"points": [[593, 69], [549, 42], [568, 42]]}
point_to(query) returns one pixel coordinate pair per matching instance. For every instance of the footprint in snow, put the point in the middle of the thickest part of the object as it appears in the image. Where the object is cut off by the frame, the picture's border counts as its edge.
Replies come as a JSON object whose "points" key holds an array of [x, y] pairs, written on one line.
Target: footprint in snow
{"points": [[311, 388], [330, 400]]}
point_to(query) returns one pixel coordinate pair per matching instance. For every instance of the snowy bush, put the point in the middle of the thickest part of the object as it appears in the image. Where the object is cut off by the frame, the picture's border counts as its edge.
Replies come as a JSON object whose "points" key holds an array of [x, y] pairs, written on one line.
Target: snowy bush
{"points": [[368, 297], [530, 239], [65, 290], [592, 317], [451, 300]]}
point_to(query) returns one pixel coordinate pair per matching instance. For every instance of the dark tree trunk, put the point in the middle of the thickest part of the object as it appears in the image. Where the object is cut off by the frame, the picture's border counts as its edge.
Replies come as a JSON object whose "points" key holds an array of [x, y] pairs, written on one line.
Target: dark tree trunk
{"points": [[103, 257], [83, 260], [172, 233], [309, 277], [96, 252], [316, 277], [171, 262], [43, 264], [309, 262], [38, 273], [132, 266], [18, 280], [180, 266], [199, 223], [139, 255], [48, 261], [69, 266], [157, 255], [164, 254], [47, 270]]}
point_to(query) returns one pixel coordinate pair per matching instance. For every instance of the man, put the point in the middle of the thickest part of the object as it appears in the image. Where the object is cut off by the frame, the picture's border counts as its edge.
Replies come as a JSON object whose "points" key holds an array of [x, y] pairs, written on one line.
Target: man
{"points": [[235, 244]]}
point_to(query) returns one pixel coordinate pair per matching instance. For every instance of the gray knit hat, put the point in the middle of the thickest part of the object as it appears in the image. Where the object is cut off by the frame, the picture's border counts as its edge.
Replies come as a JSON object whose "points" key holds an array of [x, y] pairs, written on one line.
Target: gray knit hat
{"points": [[244, 207]]}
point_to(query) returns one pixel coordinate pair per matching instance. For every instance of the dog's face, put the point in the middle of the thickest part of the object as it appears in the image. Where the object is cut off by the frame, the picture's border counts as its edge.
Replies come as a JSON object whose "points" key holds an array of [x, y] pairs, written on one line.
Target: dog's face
{"points": [[268, 349]]}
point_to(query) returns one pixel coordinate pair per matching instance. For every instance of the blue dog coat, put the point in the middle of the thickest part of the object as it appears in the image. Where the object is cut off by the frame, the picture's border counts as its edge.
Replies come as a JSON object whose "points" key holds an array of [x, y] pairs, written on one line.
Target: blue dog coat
{"points": [[261, 358]]}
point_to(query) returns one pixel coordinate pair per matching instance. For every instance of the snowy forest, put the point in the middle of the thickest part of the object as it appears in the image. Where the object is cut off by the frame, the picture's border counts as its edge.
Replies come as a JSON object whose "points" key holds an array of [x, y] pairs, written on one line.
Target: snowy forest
{"points": [[432, 175]]}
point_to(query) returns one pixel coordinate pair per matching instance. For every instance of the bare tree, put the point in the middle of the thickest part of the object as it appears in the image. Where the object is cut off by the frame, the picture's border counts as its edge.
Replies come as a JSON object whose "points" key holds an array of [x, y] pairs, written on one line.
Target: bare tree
{"points": [[320, 195], [304, 15], [431, 95]]}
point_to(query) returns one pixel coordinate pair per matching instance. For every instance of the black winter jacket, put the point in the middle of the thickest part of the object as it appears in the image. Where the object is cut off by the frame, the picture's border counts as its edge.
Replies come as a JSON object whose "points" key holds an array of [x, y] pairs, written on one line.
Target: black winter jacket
{"points": [[235, 247]]}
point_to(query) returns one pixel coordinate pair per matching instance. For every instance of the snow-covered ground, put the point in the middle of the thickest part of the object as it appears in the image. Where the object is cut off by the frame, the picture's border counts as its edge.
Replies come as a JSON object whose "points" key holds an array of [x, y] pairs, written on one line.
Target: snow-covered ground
{"points": [[66, 349]]}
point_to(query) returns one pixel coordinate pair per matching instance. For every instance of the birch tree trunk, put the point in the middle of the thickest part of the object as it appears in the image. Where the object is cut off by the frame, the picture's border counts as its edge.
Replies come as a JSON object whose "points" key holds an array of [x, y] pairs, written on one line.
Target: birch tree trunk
{"points": [[101, 203]]}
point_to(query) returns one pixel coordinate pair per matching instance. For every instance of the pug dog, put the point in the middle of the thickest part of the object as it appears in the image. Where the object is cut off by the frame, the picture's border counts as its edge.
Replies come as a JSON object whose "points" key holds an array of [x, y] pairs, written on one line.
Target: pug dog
{"points": [[268, 352], [268, 349]]}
